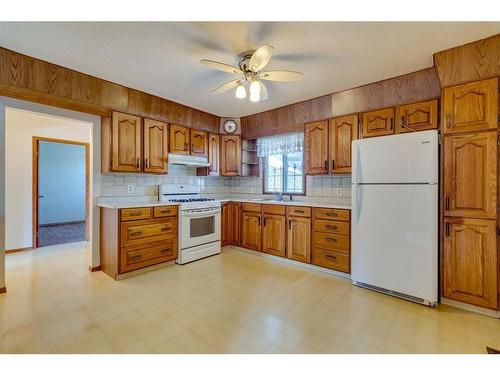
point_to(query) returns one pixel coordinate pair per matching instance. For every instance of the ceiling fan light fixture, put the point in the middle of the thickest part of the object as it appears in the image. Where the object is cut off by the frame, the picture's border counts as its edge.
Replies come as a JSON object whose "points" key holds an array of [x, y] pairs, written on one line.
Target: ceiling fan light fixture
{"points": [[241, 92], [254, 97], [254, 88]]}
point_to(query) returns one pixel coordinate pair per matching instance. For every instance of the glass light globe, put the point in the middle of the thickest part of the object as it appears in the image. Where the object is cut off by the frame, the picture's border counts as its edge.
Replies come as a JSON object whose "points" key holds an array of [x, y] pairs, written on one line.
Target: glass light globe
{"points": [[241, 93]]}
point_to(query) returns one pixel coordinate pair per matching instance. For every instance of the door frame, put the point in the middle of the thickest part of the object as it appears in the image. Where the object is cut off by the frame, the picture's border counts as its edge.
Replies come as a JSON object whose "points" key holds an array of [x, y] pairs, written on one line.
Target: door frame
{"points": [[35, 149]]}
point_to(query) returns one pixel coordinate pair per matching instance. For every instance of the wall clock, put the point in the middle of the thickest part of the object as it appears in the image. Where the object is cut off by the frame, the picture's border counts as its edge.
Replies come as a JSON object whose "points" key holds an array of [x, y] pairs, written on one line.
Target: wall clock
{"points": [[230, 126]]}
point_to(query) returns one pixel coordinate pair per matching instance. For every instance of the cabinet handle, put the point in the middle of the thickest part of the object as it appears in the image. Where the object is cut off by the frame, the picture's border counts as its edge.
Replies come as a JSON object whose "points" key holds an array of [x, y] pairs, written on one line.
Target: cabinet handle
{"points": [[300, 211], [166, 251], [133, 234], [333, 165], [289, 224], [147, 163], [331, 257], [391, 123], [164, 211], [331, 239], [137, 163], [447, 229], [135, 213], [192, 147], [259, 220], [135, 257], [185, 146], [164, 229], [448, 120], [447, 202], [326, 165], [331, 214], [402, 121], [331, 227]]}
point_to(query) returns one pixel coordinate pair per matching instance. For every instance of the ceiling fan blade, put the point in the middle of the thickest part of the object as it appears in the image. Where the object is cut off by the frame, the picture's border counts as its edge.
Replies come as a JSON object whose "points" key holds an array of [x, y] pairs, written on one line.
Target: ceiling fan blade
{"points": [[281, 75], [226, 86], [221, 66], [263, 91], [260, 58]]}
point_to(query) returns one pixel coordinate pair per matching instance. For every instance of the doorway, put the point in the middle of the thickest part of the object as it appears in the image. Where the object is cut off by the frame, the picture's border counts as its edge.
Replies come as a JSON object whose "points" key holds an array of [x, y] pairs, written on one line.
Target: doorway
{"points": [[60, 191]]}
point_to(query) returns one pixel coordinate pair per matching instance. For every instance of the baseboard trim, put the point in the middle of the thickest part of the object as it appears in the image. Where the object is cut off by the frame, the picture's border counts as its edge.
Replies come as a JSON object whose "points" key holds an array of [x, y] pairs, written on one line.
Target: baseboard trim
{"points": [[94, 269], [3, 290], [293, 262], [62, 223], [21, 249], [471, 308]]}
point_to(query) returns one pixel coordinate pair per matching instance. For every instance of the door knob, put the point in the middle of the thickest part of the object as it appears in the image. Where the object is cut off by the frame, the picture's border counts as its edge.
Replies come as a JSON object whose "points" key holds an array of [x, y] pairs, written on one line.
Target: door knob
{"points": [[40, 196]]}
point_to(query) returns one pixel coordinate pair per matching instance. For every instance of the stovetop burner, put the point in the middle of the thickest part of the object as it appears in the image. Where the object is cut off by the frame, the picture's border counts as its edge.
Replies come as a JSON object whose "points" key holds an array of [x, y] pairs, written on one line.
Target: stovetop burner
{"points": [[188, 200]]}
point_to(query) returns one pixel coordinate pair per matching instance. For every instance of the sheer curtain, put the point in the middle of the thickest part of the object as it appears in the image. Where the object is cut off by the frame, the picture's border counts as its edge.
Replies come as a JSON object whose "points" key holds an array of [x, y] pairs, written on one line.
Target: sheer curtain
{"points": [[280, 144]]}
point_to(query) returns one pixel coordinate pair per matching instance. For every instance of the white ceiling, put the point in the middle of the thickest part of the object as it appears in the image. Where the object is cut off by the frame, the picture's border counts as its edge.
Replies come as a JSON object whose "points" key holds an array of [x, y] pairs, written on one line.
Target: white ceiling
{"points": [[162, 58]]}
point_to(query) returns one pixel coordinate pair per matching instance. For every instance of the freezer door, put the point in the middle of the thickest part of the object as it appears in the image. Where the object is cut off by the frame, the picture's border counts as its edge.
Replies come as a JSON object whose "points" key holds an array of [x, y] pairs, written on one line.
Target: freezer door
{"points": [[395, 238], [401, 158]]}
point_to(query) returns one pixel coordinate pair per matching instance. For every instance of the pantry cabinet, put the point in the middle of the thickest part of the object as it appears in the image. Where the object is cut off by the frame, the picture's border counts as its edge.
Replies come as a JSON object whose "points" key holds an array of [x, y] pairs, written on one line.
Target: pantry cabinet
{"points": [[377, 123], [342, 131], [230, 223], [126, 143], [417, 116], [179, 140], [470, 107], [471, 175], [470, 261], [230, 160], [316, 147], [155, 146]]}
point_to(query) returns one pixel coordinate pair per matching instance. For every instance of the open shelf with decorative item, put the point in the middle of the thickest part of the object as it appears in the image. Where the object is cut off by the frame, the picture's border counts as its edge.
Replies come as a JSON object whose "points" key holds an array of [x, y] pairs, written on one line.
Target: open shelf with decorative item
{"points": [[250, 163]]}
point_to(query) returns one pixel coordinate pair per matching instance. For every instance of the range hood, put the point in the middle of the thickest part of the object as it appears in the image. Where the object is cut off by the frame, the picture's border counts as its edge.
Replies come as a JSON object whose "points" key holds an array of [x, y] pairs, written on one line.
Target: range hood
{"points": [[193, 161]]}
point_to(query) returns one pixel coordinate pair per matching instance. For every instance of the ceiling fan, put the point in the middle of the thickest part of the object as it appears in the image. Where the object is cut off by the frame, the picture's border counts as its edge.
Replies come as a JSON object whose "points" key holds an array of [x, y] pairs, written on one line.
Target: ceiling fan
{"points": [[250, 69]]}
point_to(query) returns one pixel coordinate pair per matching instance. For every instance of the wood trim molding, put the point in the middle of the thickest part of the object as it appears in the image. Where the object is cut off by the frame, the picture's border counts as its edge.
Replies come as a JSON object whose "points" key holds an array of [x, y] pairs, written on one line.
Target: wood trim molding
{"points": [[27, 78], [3, 290], [94, 269], [21, 249]]}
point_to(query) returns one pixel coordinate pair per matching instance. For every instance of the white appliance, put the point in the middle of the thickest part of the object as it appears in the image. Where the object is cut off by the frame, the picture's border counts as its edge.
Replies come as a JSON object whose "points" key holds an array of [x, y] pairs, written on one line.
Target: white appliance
{"points": [[199, 222], [395, 215]]}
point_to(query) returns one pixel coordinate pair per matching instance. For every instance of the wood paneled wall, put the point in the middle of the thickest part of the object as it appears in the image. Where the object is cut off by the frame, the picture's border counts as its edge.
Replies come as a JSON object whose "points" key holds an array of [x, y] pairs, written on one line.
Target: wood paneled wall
{"points": [[420, 85], [31, 79], [470, 62]]}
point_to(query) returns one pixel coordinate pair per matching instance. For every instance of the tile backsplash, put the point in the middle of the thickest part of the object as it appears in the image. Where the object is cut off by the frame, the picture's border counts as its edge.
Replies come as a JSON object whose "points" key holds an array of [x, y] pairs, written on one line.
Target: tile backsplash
{"points": [[116, 184]]}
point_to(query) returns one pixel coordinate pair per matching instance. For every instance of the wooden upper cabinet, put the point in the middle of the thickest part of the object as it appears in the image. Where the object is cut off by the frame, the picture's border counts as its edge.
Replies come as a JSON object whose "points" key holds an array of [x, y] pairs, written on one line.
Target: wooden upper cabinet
{"points": [[470, 261], [342, 131], [316, 147], [199, 143], [230, 162], [214, 154], [126, 143], [470, 107], [274, 234], [299, 239], [251, 230], [376, 123], [417, 116], [155, 146], [179, 140], [471, 175]]}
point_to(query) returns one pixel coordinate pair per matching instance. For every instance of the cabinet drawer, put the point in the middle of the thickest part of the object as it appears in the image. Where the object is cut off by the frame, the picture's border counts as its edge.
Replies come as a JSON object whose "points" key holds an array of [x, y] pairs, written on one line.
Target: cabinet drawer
{"points": [[335, 242], [165, 211], [251, 207], [299, 211], [140, 232], [331, 214], [332, 259], [273, 209], [135, 213], [332, 226], [147, 255]]}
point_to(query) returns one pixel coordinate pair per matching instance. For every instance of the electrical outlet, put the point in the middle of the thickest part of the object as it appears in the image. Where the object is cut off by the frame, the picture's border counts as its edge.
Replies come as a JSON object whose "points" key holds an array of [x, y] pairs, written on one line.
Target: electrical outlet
{"points": [[130, 189], [339, 191]]}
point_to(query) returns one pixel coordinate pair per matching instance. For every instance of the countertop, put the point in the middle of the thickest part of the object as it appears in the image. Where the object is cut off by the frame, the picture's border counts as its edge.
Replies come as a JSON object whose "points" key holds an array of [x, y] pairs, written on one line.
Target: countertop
{"points": [[324, 203]]}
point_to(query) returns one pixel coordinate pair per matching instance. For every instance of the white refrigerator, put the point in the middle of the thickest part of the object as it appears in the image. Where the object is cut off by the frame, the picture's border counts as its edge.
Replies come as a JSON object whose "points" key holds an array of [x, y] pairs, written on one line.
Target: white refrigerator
{"points": [[395, 215]]}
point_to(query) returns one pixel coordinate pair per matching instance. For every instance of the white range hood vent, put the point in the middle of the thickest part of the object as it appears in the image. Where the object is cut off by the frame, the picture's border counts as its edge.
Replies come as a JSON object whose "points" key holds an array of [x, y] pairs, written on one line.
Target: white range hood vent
{"points": [[193, 161]]}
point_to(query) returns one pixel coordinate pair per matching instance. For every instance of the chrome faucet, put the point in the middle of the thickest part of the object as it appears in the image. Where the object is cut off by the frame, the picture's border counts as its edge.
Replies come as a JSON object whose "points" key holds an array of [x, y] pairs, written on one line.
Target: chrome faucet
{"points": [[278, 195]]}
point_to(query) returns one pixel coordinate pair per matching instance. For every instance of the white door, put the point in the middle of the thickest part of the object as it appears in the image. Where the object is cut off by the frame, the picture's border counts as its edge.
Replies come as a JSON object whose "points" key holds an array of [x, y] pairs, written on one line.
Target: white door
{"points": [[401, 158], [395, 238]]}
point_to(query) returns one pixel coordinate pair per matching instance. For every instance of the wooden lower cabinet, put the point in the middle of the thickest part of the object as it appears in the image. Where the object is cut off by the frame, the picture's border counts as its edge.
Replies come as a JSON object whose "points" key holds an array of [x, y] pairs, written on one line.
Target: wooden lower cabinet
{"points": [[251, 230], [134, 238], [230, 223], [274, 234], [470, 261], [299, 239]]}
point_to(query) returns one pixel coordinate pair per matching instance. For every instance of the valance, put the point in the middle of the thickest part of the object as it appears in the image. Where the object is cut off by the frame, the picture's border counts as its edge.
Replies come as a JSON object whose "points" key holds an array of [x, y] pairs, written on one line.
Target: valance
{"points": [[280, 144]]}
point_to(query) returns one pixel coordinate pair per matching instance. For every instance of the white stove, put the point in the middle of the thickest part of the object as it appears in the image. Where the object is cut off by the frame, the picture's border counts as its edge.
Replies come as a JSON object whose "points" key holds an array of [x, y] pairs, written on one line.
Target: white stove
{"points": [[199, 221]]}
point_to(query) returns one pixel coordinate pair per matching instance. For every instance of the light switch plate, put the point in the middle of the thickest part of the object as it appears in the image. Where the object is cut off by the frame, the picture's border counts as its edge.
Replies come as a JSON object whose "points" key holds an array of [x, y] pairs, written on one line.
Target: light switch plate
{"points": [[130, 189], [339, 191]]}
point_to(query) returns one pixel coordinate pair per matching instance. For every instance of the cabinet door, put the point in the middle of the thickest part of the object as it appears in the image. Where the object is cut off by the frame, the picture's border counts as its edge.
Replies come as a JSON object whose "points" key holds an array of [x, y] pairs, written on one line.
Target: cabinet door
{"points": [[470, 175], [126, 145], [417, 116], [342, 131], [250, 230], [316, 148], [470, 263], [155, 146], [299, 239], [274, 234], [179, 140], [213, 154], [230, 155], [235, 222], [199, 143], [226, 226], [378, 123], [470, 107]]}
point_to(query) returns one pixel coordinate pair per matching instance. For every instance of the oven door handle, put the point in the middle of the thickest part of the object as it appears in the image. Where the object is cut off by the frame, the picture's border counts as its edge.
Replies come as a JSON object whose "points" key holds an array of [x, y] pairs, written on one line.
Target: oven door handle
{"points": [[201, 213]]}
